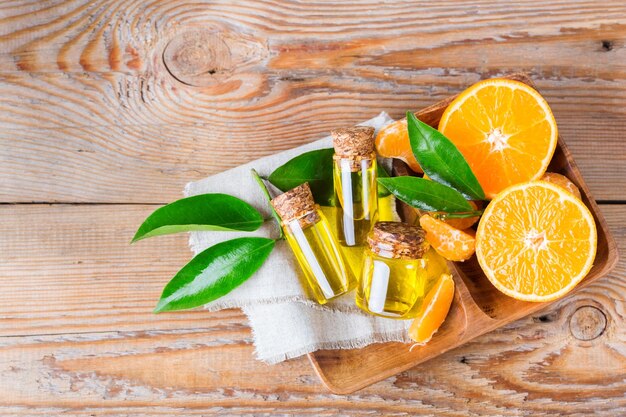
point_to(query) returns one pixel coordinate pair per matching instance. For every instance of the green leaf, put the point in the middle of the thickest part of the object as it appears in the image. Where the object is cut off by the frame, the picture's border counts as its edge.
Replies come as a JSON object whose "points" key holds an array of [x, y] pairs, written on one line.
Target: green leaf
{"points": [[441, 160], [214, 273], [316, 168], [201, 212], [426, 195]]}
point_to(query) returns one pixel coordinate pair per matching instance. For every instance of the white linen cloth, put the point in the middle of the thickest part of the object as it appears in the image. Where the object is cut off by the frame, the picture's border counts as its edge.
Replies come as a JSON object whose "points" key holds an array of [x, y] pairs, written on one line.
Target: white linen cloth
{"points": [[284, 323]]}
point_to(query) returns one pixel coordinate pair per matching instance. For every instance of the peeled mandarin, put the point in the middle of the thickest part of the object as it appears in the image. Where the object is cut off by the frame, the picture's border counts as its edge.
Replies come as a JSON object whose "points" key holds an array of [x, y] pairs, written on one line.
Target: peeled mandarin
{"points": [[393, 142], [451, 243], [434, 310]]}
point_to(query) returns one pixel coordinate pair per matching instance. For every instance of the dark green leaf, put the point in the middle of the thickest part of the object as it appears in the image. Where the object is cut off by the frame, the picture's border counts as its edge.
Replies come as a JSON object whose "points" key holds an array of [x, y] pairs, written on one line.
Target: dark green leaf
{"points": [[316, 168], [215, 272], [426, 195], [201, 212], [441, 160]]}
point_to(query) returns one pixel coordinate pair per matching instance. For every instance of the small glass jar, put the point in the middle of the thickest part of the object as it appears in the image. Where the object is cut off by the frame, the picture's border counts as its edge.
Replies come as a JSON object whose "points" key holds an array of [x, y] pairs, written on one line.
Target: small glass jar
{"points": [[354, 178], [398, 270], [326, 272]]}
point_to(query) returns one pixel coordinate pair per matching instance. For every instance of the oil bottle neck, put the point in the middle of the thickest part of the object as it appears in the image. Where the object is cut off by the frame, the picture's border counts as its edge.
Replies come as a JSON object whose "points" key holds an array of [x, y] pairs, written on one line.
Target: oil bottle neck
{"points": [[354, 163]]}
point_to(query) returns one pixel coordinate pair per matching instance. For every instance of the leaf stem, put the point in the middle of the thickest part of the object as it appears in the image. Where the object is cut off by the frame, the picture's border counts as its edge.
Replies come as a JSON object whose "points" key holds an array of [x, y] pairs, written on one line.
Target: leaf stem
{"points": [[444, 216], [259, 180]]}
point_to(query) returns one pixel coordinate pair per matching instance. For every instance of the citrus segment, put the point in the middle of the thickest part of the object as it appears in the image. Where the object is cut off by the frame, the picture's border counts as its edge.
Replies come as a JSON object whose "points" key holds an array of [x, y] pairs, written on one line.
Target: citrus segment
{"points": [[561, 181], [453, 244], [536, 241], [393, 142], [504, 129], [433, 311]]}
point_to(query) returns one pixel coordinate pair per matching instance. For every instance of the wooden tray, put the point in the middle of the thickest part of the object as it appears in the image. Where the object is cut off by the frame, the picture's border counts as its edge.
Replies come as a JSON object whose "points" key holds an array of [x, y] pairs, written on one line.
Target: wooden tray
{"points": [[477, 308]]}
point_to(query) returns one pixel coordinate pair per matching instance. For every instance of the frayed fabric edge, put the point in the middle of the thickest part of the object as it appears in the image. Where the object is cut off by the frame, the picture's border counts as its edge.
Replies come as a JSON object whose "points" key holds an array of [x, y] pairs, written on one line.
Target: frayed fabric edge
{"points": [[221, 305], [358, 343], [217, 305]]}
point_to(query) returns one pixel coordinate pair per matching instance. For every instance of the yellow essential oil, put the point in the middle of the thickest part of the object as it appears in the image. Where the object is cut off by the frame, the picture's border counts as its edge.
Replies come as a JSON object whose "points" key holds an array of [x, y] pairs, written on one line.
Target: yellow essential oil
{"points": [[383, 292], [387, 209], [354, 254], [324, 266], [356, 189], [325, 271], [398, 270], [356, 196]]}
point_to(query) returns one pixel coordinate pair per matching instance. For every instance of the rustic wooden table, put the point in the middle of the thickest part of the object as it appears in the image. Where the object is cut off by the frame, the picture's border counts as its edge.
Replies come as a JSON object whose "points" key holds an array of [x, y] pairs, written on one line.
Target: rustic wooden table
{"points": [[109, 107]]}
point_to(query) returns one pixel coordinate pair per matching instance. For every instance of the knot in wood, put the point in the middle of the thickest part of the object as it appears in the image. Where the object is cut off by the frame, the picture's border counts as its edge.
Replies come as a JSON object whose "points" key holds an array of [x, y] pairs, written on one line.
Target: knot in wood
{"points": [[209, 56], [587, 323], [197, 56]]}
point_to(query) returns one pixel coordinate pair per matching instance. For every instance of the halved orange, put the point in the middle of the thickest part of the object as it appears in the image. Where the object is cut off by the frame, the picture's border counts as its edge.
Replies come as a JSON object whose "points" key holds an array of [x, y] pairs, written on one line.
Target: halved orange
{"points": [[504, 129], [433, 311], [453, 244], [393, 142], [536, 241]]}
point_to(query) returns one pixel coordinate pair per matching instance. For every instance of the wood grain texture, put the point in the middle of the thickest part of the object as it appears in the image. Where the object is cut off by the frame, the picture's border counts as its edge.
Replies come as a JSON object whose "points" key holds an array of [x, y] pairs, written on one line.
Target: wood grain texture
{"points": [[112, 101], [74, 270], [90, 345], [125, 101]]}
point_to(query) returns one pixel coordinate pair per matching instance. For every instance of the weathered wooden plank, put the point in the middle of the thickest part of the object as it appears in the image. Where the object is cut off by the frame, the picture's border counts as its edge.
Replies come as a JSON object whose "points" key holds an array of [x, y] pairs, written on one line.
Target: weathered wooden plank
{"points": [[116, 101], [72, 269], [544, 365], [91, 345], [543, 373], [110, 102]]}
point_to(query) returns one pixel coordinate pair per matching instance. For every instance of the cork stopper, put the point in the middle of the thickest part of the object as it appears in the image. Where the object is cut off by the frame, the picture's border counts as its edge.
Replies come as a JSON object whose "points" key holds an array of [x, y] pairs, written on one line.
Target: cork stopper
{"points": [[353, 141], [398, 240], [297, 203]]}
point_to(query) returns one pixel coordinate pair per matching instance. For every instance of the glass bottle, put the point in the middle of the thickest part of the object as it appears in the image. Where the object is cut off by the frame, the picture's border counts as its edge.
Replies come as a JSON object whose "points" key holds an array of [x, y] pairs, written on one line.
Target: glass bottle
{"points": [[325, 270], [399, 268], [356, 189]]}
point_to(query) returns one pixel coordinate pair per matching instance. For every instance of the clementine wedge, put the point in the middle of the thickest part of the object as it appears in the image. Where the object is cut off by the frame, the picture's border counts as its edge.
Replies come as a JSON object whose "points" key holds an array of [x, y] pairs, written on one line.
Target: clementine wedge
{"points": [[536, 241], [504, 129], [433, 311], [453, 244]]}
